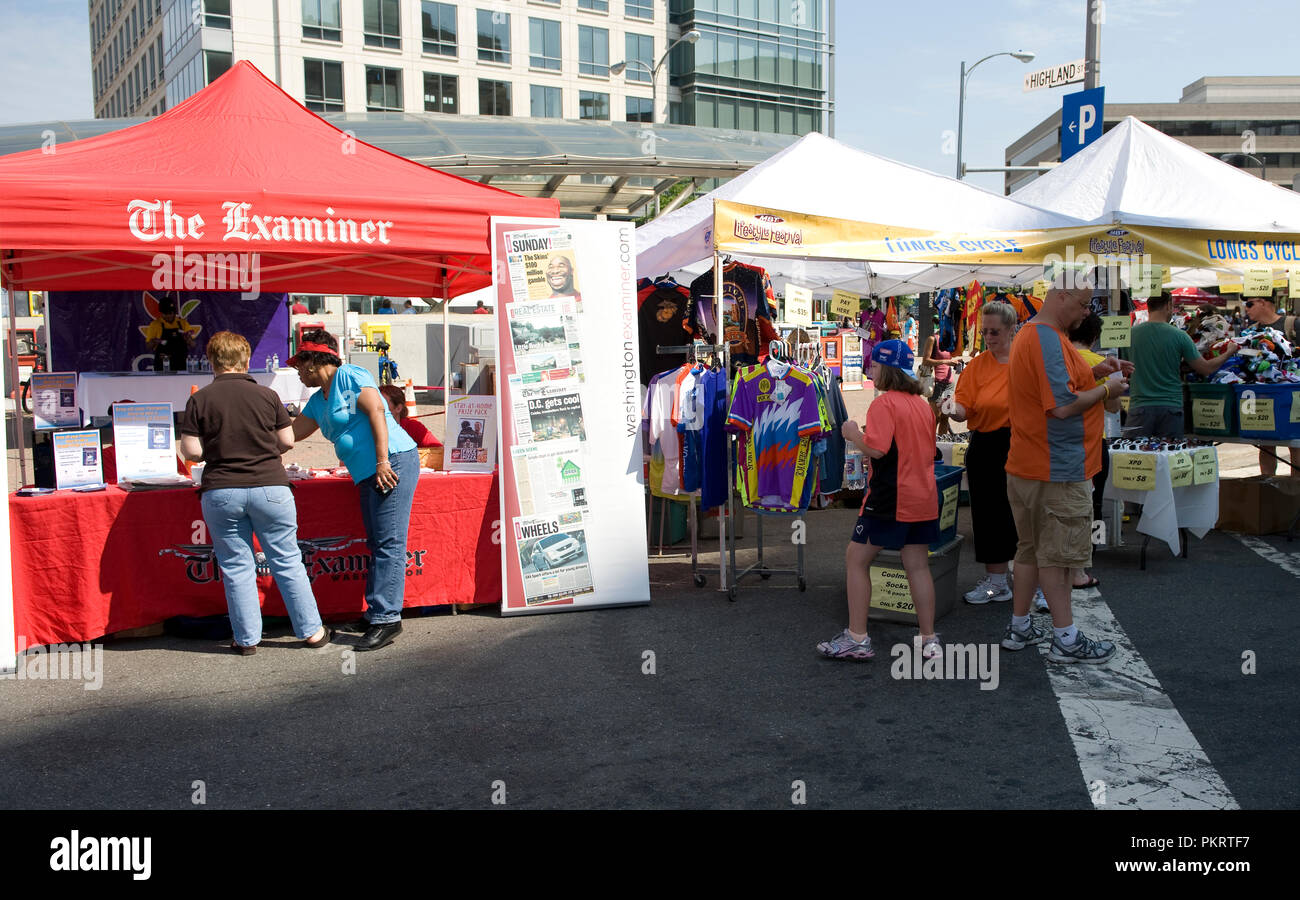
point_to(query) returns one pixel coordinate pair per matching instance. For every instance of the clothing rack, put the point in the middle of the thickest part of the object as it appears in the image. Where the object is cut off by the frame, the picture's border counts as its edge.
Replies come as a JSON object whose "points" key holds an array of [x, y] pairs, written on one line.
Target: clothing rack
{"points": [[776, 350], [692, 352]]}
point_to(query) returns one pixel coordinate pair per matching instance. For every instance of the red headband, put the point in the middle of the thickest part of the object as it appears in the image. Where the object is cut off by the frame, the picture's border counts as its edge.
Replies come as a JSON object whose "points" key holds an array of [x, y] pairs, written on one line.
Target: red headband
{"points": [[308, 346]]}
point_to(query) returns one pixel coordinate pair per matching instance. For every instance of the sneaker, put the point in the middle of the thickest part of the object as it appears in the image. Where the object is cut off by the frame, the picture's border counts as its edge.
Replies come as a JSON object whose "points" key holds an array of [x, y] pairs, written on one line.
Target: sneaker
{"points": [[1083, 650], [1019, 640], [1040, 602], [932, 648], [988, 592], [843, 646]]}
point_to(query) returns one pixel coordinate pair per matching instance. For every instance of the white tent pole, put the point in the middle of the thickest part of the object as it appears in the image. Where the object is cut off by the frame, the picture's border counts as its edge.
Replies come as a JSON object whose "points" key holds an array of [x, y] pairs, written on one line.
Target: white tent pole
{"points": [[446, 373], [720, 336], [8, 655]]}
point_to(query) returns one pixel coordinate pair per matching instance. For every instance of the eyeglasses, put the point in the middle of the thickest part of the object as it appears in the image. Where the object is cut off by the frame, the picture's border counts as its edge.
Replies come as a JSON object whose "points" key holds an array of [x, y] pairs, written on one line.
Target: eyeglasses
{"points": [[990, 332], [1249, 303]]}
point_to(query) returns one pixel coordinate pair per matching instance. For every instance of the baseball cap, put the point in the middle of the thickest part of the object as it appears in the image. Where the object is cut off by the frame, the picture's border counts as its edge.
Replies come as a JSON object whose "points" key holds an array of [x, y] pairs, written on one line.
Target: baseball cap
{"points": [[894, 353]]}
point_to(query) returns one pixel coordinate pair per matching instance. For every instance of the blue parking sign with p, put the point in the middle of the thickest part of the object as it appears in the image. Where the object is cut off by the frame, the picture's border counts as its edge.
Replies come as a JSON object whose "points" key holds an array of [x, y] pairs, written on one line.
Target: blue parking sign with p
{"points": [[1081, 120]]}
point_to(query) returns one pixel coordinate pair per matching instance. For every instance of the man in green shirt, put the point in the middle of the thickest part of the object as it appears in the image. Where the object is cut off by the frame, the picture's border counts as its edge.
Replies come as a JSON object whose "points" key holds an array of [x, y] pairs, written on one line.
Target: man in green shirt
{"points": [[1156, 388]]}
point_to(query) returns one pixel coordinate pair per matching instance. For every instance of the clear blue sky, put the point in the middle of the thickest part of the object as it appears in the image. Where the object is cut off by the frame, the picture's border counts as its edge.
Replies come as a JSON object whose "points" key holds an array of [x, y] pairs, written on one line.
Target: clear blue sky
{"points": [[896, 69]]}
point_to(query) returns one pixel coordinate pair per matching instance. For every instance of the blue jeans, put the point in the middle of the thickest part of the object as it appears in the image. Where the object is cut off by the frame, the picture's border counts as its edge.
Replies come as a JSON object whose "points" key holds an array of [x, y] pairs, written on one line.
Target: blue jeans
{"points": [[386, 519], [233, 515]]}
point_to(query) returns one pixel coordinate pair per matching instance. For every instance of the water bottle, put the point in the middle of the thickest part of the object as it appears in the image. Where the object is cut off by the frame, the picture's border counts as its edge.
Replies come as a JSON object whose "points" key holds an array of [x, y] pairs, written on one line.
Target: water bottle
{"points": [[855, 475], [167, 363], [275, 362]]}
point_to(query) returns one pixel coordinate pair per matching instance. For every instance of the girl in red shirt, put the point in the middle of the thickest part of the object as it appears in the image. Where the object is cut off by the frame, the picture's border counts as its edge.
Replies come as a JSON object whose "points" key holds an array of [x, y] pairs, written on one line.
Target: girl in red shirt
{"points": [[901, 509], [422, 436]]}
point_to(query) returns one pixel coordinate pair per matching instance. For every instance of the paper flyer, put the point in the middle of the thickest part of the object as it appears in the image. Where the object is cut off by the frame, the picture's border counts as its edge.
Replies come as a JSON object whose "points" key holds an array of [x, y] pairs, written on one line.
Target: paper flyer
{"points": [[550, 476], [543, 265], [544, 334], [54, 400], [472, 434], [78, 459], [143, 440], [553, 557]]}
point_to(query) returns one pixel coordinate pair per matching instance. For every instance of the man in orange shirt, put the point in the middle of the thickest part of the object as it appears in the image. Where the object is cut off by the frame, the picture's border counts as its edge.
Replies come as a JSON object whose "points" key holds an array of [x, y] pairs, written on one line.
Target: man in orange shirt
{"points": [[1056, 431]]}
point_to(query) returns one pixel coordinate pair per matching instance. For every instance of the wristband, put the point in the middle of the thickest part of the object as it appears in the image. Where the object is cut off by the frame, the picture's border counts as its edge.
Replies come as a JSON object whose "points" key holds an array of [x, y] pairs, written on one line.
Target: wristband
{"points": [[1106, 398]]}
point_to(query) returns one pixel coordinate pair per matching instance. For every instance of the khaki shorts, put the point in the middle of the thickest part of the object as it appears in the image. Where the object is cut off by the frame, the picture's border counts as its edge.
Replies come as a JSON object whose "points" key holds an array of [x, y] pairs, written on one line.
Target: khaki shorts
{"points": [[1053, 521]]}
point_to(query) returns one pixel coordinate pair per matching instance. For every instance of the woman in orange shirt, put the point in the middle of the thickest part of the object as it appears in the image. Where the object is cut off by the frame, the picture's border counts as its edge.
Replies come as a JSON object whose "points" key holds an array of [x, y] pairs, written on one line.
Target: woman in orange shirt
{"points": [[981, 400]]}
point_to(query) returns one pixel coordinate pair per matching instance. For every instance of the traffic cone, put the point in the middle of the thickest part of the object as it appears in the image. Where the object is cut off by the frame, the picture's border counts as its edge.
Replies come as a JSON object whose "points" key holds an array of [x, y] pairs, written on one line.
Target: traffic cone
{"points": [[410, 398]]}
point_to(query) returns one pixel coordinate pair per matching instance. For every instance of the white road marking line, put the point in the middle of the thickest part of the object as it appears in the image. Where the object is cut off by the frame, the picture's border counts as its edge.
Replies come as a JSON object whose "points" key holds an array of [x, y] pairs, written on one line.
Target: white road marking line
{"points": [[1125, 729], [1289, 562]]}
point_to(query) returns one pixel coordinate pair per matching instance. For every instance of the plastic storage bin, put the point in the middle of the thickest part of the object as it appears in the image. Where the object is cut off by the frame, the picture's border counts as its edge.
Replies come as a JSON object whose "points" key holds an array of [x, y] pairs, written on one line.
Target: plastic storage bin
{"points": [[891, 596], [1211, 410], [1272, 416]]}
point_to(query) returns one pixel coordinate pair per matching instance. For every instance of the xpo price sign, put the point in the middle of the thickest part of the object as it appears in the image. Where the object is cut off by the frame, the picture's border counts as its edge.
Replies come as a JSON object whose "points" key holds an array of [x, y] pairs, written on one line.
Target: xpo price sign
{"points": [[1081, 120]]}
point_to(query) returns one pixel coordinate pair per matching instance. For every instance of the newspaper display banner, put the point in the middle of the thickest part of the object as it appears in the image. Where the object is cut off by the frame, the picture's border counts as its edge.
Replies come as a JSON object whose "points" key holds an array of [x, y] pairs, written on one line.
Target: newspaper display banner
{"points": [[78, 459], [54, 400], [571, 469], [143, 441], [472, 433]]}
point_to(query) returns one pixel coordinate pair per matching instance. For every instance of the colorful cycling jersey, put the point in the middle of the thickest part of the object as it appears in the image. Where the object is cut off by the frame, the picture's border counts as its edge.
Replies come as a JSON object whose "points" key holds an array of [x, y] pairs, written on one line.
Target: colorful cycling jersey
{"points": [[775, 406]]}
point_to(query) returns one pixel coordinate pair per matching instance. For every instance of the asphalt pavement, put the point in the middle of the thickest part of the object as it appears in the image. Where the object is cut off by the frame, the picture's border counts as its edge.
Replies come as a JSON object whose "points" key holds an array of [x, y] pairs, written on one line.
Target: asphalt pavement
{"points": [[561, 711]]}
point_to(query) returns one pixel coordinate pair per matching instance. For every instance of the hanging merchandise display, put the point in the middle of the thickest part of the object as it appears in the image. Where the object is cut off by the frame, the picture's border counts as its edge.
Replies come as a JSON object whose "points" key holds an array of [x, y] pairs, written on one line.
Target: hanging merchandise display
{"points": [[683, 422], [974, 300], [780, 415], [663, 319], [747, 304]]}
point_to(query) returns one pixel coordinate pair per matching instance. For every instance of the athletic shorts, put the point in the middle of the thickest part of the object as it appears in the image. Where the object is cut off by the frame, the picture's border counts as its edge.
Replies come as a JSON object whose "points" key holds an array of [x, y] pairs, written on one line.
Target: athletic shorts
{"points": [[891, 534]]}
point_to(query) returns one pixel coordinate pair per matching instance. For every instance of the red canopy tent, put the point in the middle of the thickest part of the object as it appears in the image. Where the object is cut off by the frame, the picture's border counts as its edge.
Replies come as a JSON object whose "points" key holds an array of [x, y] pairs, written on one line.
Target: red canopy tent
{"points": [[240, 168]]}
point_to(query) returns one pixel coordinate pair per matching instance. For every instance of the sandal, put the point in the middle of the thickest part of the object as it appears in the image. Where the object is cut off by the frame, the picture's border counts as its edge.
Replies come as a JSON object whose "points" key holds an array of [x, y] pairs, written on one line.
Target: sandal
{"points": [[1092, 582], [324, 640]]}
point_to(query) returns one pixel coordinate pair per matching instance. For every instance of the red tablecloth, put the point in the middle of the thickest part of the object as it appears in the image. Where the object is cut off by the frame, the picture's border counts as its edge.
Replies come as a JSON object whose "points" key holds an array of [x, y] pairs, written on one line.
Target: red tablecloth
{"points": [[86, 565]]}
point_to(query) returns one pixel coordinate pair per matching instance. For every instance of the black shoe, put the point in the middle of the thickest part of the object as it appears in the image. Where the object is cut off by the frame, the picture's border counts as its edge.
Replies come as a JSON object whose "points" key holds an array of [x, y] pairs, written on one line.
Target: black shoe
{"points": [[360, 626], [377, 636]]}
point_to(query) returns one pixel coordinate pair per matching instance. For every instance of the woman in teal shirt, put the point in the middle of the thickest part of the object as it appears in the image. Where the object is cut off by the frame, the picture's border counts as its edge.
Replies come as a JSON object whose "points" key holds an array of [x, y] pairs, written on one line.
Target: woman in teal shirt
{"points": [[383, 462]]}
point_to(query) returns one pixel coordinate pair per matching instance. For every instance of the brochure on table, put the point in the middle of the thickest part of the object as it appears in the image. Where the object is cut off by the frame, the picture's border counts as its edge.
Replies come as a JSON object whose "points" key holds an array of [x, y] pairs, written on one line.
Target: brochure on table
{"points": [[572, 506], [143, 441], [54, 400], [78, 459], [472, 429]]}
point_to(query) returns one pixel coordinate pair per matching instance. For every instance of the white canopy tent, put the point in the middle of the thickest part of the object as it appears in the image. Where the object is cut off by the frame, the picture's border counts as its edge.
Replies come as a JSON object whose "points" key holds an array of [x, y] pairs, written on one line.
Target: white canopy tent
{"points": [[1139, 176], [821, 176]]}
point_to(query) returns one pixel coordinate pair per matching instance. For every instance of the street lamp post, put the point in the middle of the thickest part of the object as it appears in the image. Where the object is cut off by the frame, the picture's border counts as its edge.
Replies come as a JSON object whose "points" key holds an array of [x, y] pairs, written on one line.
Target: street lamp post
{"points": [[1023, 55], [618, 68], [1263, 171]]}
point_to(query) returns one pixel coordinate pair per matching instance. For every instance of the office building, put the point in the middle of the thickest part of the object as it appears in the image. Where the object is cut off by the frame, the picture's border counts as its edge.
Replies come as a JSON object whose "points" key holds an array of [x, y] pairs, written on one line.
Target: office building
{"points": [[1255, 115], [760, 65]]}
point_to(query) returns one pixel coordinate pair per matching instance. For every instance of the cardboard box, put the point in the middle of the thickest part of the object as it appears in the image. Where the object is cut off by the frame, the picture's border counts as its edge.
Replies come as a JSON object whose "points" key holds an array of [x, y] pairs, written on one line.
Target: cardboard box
{"points": [[1261, 504], [891, 597]]}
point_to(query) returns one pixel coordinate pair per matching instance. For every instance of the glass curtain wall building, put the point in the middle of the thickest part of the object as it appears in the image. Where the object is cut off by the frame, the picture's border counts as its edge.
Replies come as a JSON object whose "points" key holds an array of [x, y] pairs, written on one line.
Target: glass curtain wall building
{"points": [[759, 65]]}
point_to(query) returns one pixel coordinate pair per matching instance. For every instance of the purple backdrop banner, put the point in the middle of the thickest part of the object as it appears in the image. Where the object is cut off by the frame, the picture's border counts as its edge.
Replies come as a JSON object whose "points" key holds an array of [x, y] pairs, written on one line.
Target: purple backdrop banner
{"points": [[103, 331]]}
